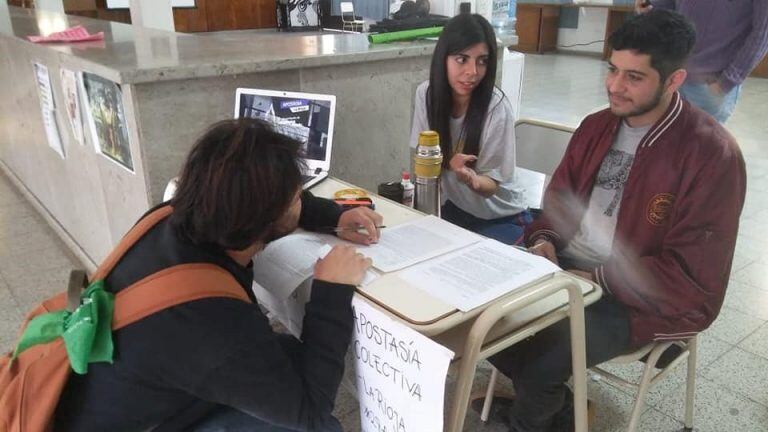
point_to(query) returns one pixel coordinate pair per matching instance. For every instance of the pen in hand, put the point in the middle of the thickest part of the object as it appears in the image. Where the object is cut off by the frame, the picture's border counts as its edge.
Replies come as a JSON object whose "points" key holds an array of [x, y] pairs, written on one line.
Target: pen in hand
{"points": [[359, 229]]}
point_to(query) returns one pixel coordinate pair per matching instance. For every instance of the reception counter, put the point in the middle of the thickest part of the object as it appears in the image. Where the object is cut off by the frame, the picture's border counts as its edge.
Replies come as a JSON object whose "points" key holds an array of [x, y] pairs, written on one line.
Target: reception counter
{"points": [[172, 86]]}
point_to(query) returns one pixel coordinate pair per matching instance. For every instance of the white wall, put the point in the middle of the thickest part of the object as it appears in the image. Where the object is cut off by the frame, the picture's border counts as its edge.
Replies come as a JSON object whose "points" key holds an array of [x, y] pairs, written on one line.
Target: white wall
{"points": [[591, 28]]}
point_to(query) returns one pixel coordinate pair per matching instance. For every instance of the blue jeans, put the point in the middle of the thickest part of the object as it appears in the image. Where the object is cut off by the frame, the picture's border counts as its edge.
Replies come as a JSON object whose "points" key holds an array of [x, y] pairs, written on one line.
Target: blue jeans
{"points": [[719, 107], [508, 230], [226, 419]]}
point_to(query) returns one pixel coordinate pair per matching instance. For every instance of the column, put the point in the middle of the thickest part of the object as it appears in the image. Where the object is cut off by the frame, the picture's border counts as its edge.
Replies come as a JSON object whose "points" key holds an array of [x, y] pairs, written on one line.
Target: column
{"points": [[49, 5], [156, 14]]}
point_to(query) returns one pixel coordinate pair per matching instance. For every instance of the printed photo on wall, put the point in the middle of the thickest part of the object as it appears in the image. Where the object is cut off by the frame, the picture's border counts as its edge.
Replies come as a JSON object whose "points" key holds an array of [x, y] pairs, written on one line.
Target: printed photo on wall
{"points": [[106, 119], [70, 87]]}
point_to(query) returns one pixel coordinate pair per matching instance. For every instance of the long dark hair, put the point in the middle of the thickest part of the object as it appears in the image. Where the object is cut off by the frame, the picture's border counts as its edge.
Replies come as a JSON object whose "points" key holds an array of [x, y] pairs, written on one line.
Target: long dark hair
{"points": [[239, 178], [461, 32]]}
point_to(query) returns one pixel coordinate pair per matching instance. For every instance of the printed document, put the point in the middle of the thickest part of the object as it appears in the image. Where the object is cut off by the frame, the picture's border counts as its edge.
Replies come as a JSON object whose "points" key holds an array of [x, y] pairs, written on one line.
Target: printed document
{"points": [[284, 264], [282, 275], [404, 245], [478, 274]]}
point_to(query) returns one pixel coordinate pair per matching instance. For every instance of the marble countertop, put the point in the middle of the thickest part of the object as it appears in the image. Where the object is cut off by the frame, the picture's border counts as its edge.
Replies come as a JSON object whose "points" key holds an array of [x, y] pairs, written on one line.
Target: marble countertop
{"points": [[131, 54]]}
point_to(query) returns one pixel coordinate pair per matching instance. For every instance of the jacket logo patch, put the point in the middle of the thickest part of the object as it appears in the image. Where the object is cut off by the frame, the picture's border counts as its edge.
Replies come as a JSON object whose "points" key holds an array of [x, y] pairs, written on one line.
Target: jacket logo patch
{"points": [[659, 208]]}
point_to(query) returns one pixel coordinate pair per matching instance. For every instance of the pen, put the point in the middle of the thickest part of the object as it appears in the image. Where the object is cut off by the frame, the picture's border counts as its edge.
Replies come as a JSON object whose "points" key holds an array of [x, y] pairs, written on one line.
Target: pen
{"points": [[332, 230], [359, 229]]}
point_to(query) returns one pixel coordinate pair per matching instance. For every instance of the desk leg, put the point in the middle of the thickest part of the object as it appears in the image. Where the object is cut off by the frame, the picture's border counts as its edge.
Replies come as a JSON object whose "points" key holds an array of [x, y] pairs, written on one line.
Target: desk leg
{"points": [[466, 375], [486, 320], [578, 357]]}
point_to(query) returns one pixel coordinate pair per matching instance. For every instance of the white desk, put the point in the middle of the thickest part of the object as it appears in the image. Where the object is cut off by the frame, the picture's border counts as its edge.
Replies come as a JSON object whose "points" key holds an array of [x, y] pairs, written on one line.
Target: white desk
{"points": [[486, 330]]}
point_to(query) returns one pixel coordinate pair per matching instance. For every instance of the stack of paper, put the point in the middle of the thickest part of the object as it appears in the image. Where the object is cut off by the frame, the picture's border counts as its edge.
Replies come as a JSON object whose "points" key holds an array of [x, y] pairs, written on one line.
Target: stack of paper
{"points": [[413, 242], [476, 275], [282, 275]]}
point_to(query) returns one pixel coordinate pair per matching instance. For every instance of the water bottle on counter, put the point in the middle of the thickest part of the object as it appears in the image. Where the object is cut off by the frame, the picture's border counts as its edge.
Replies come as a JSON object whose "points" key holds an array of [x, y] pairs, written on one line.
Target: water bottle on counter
{"points": [[503, 17]]}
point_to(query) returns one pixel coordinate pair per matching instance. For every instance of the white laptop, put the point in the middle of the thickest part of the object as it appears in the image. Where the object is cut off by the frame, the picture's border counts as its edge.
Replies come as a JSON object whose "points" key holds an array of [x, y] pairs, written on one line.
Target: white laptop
{"points": [[306, 117]]}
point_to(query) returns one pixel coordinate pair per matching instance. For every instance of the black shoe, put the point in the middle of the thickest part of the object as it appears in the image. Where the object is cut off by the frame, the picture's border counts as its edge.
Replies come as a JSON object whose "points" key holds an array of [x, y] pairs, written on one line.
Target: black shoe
{"points": [[500, 407], [564, 421]]}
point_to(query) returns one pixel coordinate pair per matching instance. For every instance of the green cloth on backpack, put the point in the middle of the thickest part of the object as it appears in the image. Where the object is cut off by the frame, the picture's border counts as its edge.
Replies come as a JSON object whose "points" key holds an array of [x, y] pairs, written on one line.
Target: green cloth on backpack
{"points": [[87, 332]]}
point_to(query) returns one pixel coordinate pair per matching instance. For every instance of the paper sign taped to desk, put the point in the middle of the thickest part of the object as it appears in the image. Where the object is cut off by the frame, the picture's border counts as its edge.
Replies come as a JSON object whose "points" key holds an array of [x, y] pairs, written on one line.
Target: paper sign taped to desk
{"points": [[400, 374]]}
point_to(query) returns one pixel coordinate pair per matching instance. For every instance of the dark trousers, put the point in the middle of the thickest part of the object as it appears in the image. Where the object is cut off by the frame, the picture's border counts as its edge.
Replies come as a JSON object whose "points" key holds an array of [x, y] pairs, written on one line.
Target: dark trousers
{"points": [[227, 419], [508, 230], [540, 365]]}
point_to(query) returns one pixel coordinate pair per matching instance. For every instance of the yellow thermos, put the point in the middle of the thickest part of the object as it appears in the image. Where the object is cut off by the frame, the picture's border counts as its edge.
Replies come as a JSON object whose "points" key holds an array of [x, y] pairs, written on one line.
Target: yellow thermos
{"points": [[428, 161]]}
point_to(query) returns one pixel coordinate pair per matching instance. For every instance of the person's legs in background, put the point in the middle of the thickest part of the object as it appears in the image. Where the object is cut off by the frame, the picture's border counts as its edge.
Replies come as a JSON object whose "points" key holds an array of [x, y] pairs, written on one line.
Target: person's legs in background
{"points": [[508, 230], [453, 214], [540, 365], [719, 107]]}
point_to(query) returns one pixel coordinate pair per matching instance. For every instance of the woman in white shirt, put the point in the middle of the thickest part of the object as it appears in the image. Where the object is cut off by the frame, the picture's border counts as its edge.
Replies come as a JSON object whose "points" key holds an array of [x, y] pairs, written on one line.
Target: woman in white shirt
{"points": [[476, 127]]}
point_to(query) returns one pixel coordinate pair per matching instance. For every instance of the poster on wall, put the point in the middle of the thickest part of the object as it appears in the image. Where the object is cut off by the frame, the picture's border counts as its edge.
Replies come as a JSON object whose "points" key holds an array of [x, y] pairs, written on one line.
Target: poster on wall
{"points": [[47, 108], [298, 14], [70, 87], [106, 119], [304, 13]]}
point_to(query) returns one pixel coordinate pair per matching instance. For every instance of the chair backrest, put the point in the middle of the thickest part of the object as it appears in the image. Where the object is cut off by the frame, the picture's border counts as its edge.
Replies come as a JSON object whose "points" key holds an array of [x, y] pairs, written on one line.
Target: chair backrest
{"points": [[541, 145], [347, 9]]}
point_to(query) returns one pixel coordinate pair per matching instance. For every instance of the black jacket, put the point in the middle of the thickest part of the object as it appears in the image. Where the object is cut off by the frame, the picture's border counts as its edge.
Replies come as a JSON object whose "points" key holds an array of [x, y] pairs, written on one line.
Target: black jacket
{"points": [[174, 367]]}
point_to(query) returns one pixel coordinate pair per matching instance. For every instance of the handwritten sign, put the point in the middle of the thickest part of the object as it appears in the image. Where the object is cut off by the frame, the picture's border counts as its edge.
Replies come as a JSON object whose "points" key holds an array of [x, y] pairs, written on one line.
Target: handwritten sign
{"points": [[400, 374]]}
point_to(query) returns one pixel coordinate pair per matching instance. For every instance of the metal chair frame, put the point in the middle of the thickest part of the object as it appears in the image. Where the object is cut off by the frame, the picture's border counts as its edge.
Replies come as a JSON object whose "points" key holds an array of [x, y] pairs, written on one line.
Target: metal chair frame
{"points": [[348, 17]]}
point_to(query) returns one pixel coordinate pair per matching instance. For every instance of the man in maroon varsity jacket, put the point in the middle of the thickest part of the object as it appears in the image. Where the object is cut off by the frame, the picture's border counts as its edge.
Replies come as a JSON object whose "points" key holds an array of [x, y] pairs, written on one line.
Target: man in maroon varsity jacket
{"points": [[646, 203]]}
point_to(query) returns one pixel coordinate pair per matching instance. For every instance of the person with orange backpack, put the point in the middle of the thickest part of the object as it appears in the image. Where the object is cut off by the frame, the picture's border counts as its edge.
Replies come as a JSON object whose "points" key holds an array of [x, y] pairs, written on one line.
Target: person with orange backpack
{"points": [[168, 336]]}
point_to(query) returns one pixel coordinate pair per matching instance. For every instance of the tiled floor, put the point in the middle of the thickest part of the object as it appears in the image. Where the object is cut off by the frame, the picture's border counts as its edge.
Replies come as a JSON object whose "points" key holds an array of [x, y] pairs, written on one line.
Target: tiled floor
{"points": [[732, 376]]}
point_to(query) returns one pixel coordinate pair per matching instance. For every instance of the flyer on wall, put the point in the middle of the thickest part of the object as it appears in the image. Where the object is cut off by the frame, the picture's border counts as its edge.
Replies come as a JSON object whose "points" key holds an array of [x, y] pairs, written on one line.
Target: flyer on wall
{"points": [[70, 87], [47, 107], [106, 119]]}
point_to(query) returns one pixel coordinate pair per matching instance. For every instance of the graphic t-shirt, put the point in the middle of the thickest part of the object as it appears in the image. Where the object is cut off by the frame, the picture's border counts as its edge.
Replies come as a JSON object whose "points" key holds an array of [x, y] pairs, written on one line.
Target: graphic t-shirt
{"points": [[594, 239]]}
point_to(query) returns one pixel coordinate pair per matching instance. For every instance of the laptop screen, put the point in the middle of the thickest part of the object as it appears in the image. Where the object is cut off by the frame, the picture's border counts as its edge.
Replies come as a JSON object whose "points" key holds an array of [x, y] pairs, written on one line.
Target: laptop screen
{"points": [[306, 117]]}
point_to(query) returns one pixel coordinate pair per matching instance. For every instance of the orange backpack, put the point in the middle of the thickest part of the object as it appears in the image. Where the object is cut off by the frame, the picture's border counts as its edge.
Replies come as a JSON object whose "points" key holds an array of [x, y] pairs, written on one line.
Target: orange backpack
{"points": [[30, 385]]}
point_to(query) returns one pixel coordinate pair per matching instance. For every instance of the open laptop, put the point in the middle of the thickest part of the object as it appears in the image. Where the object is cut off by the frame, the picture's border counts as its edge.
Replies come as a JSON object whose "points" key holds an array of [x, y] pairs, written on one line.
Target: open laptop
{"points": [[306, 117]]}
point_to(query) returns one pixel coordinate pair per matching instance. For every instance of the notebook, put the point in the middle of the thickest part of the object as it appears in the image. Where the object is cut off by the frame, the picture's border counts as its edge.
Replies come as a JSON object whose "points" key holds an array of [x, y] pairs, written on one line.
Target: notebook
{"points": [[307, 117]]}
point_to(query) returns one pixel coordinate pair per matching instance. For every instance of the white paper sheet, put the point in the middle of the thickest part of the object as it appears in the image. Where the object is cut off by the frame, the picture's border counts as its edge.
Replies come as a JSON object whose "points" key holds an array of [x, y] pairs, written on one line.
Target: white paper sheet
{"points": [[284, 264], [410, 243], [282, 275], [47, 108], [478, 274], [289, 311], [70, 86], [400, 374]]}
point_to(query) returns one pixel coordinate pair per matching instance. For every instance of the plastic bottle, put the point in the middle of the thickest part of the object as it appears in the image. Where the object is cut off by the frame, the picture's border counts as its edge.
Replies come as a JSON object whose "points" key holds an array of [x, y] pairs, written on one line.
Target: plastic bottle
{"points": [[427, 165], [407, 189]]}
